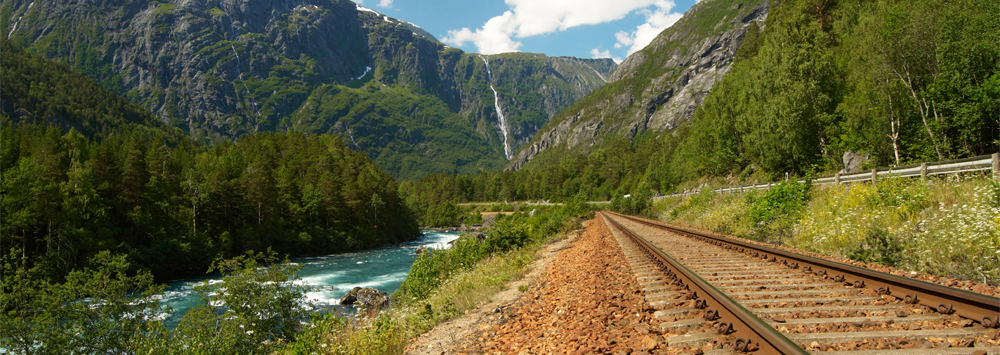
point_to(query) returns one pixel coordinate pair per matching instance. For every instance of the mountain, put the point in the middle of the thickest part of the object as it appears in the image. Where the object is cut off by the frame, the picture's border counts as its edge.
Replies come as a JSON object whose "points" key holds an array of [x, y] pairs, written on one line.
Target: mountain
{"points": [[84, 171], [35, 91], [656, 88], [232, 67]]}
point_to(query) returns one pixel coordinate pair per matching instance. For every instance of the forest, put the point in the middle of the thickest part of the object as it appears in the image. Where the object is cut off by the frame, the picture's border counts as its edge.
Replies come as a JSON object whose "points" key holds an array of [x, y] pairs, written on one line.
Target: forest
{"points": [[111, 178]]}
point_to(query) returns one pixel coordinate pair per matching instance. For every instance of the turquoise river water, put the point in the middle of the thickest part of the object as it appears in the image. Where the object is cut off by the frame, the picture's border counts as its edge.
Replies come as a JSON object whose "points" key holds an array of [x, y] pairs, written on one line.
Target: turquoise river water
{"points": [[328, 277]]}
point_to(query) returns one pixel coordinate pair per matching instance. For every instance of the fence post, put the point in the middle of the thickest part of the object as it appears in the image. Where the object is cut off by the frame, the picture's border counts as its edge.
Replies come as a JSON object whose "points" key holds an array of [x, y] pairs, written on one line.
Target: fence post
{"points": [[923, 171], [874, 176], [836, 179], [996, 165]]}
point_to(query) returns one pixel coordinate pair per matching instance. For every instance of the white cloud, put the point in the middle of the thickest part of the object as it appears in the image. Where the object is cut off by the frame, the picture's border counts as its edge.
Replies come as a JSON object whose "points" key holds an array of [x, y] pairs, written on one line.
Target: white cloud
{"points": [[385, 3], [596, 53], [533, 17], [624, 39], [493, 38], [656, 21]]}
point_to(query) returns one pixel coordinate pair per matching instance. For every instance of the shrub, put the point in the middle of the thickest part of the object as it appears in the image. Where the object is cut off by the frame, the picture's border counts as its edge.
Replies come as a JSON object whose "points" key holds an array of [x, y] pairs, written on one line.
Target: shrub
{"points": [[99, 310], [773, 214], [508, 233], [262, 308], [879, 247]]}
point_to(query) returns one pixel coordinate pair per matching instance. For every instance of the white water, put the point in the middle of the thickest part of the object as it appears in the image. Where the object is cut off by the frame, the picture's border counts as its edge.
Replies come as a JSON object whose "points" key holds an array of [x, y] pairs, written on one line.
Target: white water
{"points": [[367, 69], [496, 104], [239, 68], [15, 26], [326, 277]]}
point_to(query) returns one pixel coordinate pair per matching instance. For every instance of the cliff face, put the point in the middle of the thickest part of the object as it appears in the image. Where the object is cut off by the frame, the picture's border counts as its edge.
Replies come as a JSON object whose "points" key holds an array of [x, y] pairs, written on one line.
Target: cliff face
{"points": [[658, 87], [225, 68]]}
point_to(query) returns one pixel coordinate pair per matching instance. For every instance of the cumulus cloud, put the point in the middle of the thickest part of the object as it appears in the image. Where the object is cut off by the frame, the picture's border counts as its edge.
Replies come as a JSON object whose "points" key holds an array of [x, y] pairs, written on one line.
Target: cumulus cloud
{"points": [[492, 38], [656, 21], [385, 3], [596, 53], [528, 18]]}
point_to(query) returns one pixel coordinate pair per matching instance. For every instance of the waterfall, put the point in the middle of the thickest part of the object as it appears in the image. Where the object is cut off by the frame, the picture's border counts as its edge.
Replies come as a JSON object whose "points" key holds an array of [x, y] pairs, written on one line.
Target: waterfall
{"points": [[19, 20], [496, 104], [15, 26], [367, 69], [239, 68]]}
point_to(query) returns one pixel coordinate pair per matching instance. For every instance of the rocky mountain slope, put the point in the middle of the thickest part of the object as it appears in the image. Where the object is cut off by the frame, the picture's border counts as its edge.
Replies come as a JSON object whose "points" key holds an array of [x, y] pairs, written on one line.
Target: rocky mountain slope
{"points": [[658, 87], [225, 68]]}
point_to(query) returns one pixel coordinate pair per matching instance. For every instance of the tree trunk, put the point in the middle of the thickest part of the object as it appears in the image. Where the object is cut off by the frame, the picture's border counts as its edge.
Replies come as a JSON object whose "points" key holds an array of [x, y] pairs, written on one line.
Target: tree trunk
{"points": [[923, 111], [895, 126]]}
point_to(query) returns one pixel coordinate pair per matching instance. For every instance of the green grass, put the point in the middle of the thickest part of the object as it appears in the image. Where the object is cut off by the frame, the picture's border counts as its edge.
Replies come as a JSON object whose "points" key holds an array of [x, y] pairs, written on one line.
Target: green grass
{"points": [[945, 226], [164, 9]]}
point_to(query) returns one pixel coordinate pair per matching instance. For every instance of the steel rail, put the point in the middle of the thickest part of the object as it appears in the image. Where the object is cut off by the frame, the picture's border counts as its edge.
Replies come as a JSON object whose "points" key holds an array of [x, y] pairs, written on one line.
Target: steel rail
{"points": [[750, 331], [945, 300]]}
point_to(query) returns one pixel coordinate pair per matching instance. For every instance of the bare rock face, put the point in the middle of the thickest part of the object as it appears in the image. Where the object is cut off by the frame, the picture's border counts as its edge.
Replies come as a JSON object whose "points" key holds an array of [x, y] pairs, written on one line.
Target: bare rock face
{"points": [[656, 88], [854, 161]]}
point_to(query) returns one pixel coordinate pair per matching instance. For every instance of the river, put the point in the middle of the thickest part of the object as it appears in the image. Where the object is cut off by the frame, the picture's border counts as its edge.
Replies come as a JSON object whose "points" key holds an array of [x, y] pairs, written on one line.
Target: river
{"points": [[328, 277]]}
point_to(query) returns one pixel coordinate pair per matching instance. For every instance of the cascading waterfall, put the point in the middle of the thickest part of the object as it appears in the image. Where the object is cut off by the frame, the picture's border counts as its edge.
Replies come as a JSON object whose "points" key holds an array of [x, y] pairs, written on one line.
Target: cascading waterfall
{"points": [[15, 26], [239, 67], [367, 69], [19, 20], [496, 104]]}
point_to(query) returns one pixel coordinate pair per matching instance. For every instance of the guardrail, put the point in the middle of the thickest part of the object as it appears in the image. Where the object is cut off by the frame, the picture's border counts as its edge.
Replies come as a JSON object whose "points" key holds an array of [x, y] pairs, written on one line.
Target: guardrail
{"points": [[967, 165]]}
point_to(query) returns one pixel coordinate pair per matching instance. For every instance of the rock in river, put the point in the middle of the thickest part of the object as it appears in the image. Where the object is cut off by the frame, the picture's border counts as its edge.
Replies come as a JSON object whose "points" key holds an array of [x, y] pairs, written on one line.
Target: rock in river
{"points": [[366, 297]]}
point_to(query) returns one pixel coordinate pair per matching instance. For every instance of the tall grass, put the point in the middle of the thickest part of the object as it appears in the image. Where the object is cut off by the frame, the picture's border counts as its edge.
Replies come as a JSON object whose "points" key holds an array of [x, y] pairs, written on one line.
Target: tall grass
{"points": [[944, 226]]}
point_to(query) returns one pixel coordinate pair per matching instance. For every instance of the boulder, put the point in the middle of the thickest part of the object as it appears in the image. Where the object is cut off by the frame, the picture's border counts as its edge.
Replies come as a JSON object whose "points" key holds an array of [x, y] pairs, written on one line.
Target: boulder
{"points": [[853, 162], [351, 296], [370, 297], [488, 220], [365, 297]]}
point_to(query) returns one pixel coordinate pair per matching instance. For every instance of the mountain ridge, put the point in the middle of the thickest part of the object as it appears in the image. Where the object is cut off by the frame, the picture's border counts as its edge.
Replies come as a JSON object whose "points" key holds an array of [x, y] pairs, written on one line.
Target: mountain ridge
{"points": [[223, 69], [655, 88]]}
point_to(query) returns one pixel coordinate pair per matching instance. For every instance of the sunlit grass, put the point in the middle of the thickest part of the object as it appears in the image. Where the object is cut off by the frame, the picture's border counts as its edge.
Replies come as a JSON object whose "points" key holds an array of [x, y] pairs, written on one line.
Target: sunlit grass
{"points": [[946, 226]]}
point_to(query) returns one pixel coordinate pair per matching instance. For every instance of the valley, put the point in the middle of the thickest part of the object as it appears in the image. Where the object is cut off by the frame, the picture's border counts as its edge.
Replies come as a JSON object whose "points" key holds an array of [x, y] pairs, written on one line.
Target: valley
{"points": [[307, 154]]}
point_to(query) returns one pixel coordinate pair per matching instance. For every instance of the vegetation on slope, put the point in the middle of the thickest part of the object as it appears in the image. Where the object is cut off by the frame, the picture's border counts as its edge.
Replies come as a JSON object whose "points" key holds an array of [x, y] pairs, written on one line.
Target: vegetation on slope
{"points": [[882, 77], [38, 91], [823, 78], [946, 226]]}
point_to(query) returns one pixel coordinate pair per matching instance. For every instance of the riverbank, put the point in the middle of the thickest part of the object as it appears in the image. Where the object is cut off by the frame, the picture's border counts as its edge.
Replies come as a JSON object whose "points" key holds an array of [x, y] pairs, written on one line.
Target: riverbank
{"points": [[445, 285], [444, 337]]}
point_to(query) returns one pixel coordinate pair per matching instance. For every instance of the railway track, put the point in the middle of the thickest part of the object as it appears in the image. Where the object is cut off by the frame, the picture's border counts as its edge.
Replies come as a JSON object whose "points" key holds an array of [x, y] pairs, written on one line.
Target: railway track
{"points": [[722, 295]]}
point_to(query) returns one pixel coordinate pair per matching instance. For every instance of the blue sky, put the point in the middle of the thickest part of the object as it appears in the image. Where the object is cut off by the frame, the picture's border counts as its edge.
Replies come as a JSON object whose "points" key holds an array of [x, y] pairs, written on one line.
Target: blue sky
{"points": [[579, 28]]}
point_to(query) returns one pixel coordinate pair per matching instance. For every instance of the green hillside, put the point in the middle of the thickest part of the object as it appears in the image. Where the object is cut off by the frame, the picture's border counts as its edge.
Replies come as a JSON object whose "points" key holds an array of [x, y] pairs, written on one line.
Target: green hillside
{"points": [[85, 172]]}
